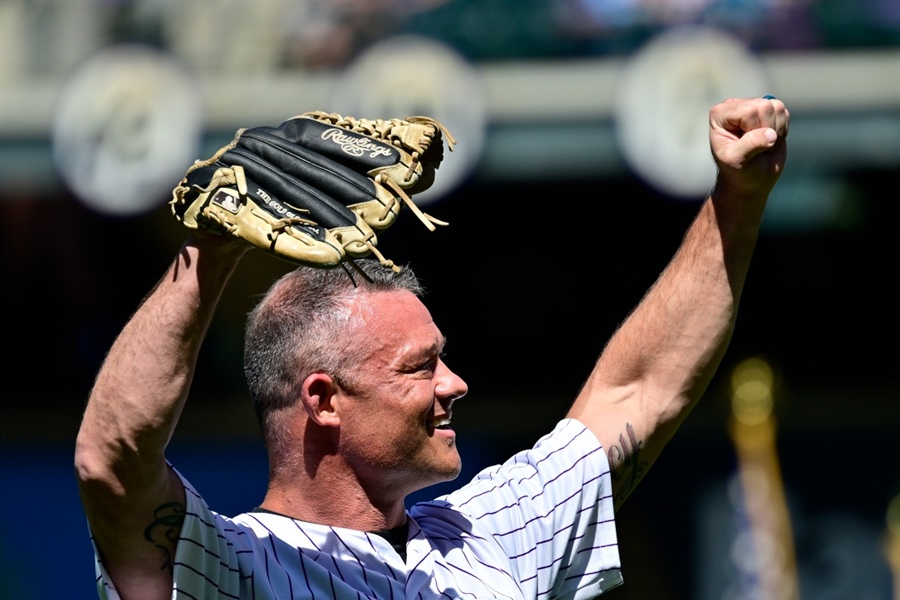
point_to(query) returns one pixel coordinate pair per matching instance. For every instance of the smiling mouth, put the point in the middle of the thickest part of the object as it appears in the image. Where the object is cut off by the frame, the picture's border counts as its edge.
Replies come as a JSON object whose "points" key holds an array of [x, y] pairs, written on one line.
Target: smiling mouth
{"points": [[441, 423]]}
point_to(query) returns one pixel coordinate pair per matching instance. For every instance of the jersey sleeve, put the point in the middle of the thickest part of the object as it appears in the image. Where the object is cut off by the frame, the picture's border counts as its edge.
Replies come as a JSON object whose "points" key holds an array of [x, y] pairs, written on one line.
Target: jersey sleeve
{"points": [[551, 510], [206, 557]]}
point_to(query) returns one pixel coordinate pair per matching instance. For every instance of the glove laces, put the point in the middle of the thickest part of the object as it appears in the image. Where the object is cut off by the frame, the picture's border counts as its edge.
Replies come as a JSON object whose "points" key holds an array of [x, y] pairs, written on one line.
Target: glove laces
{"points": [[425, 218]]}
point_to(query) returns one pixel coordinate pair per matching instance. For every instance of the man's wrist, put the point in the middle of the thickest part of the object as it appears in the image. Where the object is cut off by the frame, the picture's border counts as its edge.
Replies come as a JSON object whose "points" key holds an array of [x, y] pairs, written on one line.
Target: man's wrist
{"points": [[734, 189], [738, 211]]}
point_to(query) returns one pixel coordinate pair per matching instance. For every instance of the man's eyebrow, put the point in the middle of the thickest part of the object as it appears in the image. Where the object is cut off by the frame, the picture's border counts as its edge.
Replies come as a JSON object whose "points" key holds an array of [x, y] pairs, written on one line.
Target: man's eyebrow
{"points": [[436, 347]]}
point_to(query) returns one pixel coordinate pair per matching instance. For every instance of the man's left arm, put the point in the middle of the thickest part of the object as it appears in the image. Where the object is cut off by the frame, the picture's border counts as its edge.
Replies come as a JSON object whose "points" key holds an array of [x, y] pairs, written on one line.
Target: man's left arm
{"points": [[660, 361]]}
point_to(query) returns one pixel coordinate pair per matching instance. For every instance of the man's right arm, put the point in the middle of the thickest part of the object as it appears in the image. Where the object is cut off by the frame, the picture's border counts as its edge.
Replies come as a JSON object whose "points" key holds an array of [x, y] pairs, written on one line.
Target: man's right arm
{"points": [[134, 503], [659, 363]]}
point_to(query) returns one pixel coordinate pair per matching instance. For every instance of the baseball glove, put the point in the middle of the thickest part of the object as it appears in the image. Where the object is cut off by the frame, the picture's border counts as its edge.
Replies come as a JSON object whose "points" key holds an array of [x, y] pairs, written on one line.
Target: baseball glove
{"points": [[317, 188]]}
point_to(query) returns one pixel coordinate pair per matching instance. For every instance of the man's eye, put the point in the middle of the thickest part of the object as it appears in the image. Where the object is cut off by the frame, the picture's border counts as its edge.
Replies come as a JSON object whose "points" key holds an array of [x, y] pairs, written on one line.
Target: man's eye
{"points": [[429, 365]]}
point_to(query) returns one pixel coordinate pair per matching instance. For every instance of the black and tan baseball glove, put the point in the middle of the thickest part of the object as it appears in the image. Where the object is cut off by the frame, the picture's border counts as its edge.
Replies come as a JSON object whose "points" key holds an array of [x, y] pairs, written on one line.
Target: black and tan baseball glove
{"points": [[317, 188]]}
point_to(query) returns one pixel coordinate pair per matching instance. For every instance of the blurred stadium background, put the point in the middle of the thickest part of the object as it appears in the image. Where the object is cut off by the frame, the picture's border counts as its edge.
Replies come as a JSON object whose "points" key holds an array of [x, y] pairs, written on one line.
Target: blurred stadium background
{"points": [[581, 160]]}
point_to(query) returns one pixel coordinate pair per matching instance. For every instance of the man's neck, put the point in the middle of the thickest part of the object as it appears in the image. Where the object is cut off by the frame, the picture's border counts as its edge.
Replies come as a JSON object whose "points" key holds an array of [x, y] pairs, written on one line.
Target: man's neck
{"points": [[348, 508]]}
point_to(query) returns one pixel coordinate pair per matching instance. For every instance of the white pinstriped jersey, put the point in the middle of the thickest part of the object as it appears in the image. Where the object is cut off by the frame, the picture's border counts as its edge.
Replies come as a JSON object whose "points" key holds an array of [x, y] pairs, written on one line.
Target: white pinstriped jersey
{"points": [[539, 526]]}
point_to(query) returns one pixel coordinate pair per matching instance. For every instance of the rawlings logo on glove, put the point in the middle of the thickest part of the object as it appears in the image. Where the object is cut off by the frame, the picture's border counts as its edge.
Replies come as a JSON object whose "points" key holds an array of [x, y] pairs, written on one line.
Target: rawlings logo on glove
{"points": [[355, 146]]}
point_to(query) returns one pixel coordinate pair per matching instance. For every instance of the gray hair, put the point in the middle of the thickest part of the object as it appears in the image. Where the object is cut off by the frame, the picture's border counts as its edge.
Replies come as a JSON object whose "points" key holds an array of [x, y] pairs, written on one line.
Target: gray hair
{"points": [[300, 327]]}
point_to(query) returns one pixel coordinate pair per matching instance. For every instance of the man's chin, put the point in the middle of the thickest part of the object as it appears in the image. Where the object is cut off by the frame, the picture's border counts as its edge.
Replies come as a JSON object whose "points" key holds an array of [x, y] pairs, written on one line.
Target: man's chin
{"points": [[447, 473], [438, 479]]}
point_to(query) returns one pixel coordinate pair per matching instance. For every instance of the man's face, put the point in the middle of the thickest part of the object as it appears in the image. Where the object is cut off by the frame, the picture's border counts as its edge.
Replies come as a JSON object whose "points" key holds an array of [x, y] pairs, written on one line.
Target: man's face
{"points": [[395, 413]]}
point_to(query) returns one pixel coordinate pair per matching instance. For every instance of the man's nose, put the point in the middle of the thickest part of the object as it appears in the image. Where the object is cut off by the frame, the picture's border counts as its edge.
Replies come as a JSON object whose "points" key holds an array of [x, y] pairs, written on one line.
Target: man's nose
{"points": [[450, 386]]}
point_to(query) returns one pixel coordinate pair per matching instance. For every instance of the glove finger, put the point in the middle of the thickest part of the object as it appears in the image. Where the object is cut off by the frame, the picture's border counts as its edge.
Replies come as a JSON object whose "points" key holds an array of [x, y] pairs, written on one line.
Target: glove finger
{"points": [[361, 153], [382, 156], [331, 177], [372, 202], [353, 233]]}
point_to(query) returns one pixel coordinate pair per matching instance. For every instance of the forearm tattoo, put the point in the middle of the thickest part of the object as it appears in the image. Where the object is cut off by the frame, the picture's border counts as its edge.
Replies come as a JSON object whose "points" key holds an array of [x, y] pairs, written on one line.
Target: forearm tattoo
{"points": [[626, 465], [164, 530]]}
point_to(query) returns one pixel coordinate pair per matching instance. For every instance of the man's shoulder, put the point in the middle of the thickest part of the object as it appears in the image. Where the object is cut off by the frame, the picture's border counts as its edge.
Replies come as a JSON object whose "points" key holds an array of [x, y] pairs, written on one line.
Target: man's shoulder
{"points": [[569, 448]]}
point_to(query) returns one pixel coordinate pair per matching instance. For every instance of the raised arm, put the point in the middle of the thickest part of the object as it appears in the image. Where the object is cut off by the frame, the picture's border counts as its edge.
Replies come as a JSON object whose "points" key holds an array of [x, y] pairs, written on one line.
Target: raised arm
{"points": [[660, 361], [133, 502]]}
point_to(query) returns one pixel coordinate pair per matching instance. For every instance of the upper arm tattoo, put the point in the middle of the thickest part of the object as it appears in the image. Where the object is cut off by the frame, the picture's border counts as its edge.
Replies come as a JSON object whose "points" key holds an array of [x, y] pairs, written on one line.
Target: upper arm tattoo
{"points": [[164, 530], [627, 467]]}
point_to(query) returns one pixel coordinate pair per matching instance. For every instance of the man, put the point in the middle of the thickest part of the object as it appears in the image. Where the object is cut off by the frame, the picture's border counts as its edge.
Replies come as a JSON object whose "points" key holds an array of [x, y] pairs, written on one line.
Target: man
{"points": [[355, 402]]}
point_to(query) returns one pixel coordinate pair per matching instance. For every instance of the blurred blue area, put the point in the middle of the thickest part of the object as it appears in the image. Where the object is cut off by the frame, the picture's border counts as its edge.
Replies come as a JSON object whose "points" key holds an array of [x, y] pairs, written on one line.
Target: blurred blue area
{"points": [[44, 545]]}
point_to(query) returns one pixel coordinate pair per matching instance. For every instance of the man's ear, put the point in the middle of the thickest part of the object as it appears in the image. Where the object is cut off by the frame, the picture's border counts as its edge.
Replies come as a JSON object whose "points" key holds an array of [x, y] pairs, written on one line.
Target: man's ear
{"points": [[318, 394]]}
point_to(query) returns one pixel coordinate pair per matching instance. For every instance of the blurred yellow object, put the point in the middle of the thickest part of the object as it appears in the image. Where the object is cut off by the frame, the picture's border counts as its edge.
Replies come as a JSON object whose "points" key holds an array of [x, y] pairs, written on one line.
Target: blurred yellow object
{"points": [[891, 544], [752, 428]]}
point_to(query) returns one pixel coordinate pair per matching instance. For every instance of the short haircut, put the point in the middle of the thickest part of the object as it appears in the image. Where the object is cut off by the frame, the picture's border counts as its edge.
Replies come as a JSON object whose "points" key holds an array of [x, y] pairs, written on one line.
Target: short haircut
{"points": [[300, 327]]}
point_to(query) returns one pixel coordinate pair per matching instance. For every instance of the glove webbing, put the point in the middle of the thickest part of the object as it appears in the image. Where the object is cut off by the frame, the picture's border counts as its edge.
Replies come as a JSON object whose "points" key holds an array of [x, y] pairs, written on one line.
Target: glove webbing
{"points": [[451, 141]]}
